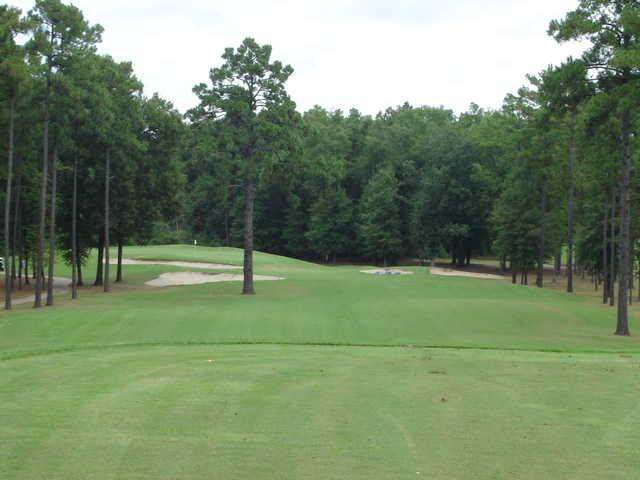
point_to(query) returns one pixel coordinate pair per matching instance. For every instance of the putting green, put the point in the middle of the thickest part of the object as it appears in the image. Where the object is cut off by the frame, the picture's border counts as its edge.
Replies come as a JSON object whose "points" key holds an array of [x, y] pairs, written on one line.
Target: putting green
{"points": [[170, 383]]}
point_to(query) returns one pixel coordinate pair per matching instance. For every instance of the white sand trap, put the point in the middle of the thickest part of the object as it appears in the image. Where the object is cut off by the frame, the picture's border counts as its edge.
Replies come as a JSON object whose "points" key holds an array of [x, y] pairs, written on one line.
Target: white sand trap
{"points": [[447, 272], [386, 271], [202, 265], [173, 279]]}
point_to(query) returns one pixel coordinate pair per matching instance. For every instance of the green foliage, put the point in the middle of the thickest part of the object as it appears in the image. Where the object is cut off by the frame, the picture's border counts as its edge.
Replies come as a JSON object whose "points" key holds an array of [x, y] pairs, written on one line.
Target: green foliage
{"points": [[330, 227], [379, 223], [248, 100]]}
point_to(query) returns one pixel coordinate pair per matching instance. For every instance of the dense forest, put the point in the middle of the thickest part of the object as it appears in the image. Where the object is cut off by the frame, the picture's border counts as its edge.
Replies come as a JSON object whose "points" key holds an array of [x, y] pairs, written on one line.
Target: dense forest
{"points": [[92, 162]]}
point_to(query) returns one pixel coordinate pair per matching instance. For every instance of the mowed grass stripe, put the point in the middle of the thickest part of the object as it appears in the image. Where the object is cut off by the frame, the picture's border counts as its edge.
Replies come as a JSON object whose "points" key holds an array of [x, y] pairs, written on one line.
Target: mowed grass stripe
{"points": [[318, 412], [315, 305]]}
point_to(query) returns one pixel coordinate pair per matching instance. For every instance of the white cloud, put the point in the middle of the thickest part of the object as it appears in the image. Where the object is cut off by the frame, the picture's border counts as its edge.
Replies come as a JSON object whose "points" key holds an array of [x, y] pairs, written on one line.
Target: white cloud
{"points": [[350, 53]]}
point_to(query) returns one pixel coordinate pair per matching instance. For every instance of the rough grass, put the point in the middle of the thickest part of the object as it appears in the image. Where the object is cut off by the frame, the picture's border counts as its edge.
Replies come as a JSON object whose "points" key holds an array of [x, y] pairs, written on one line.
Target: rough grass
{"points": [[171, 383]]}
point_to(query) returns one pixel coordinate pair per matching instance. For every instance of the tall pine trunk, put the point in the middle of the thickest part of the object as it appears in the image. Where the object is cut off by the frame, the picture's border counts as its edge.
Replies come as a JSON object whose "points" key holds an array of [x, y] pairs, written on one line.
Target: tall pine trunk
{"points": [[119, 270], [39, 270], [622, 327], [20, 272], [80, 281], [247, 288], [542, 239], [52, 227], [17, 209], [612, 251], [74, 233], [7, 208], [26, 268], [107, 226], [605, 256], [100, 265], [572, 186]]}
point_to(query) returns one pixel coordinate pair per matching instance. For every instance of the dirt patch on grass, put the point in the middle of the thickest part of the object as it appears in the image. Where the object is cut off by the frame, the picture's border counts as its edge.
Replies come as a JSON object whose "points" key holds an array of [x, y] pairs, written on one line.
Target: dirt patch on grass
{"points": [[25, 296], [448, 272], [174, 279]]}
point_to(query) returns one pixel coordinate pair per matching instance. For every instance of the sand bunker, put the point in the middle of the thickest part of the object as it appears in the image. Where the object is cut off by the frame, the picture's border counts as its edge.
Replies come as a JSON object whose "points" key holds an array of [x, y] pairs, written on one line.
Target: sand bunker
{"points": [[202, 265], [198, 278], [447, 272], [386, 272]]}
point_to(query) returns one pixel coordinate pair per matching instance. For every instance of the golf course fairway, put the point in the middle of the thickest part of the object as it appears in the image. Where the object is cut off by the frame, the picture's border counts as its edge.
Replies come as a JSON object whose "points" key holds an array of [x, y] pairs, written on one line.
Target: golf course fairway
{"points": [[327, 374]]}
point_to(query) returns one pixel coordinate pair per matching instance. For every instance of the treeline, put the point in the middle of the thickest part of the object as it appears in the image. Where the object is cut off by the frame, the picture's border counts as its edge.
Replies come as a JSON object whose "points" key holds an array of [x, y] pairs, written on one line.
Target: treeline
{"points": [[91, 161], [409, 182], [549, 177]]}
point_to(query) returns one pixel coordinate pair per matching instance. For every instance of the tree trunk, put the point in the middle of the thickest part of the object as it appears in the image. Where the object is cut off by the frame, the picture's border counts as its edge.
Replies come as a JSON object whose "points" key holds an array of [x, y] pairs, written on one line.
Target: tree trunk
{"points": [[80, 281], [52, 227], [7, 208], [605, 256], [572, 154], [20, 260], [631, 273], [16, 230], [622, 327], [514, 276], [107, 226], [541, 240], [26, 269], [74, 233], [119, 271], [39, 270], [612, 252], [247, 288], [100, 266]]}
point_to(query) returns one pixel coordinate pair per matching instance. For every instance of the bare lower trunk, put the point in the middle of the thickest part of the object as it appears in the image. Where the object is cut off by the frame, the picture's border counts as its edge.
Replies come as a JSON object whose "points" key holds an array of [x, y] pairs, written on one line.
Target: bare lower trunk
{"points": [[119, 271], [7, 209], [605, 256], [26, 269], [622, 327], [247, 288], [107, 226], [80, 281], [74, 233], [52, 227], [631, 272], [39, 270], [16, 230], [100, 265], [612, 252], [542, 239], [572, 153], [20, 264]]}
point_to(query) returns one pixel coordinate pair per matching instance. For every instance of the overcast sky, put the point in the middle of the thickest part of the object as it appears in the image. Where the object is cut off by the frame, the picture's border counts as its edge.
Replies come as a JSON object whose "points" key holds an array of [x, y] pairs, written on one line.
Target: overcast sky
{"points": [[367, 54]]}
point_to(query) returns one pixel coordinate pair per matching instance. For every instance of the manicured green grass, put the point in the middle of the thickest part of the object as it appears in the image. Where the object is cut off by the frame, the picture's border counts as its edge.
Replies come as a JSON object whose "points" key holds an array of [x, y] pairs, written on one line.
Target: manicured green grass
{"points": [[323, 375], [318, 412]]}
